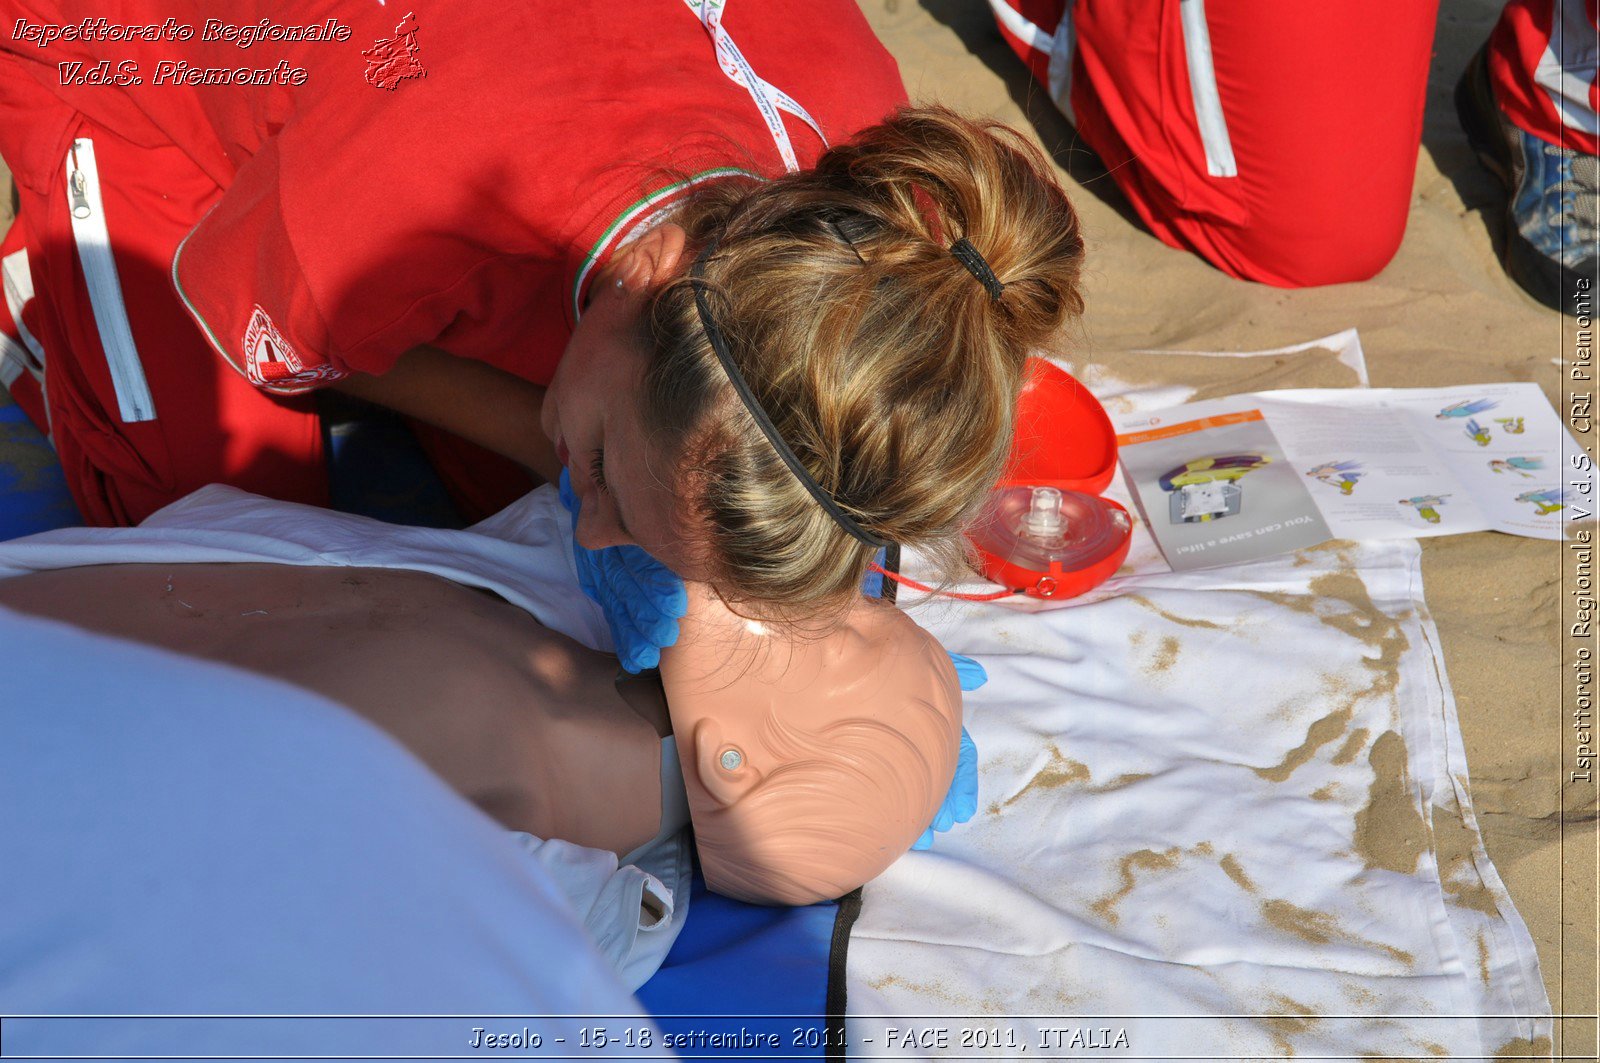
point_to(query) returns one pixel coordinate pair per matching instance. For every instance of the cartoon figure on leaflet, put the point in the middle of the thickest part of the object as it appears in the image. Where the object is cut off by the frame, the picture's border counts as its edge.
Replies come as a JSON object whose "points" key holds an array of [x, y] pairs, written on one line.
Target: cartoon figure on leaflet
{"points": [[1477, 433], [1524, 467], [1511, 426], [1207, 488], [1340, 474], [1546, 501], [1427, 506], [1466, 409]]}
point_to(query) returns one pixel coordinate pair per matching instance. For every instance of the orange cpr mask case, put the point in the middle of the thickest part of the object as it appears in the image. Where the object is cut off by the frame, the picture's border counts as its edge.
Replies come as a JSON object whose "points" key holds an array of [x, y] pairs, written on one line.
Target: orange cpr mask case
{"points": [[1046, 531]]}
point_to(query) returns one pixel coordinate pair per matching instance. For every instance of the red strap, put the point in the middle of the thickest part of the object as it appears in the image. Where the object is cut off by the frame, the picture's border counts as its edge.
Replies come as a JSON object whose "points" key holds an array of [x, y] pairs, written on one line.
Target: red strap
{"points": [[914, 585]]}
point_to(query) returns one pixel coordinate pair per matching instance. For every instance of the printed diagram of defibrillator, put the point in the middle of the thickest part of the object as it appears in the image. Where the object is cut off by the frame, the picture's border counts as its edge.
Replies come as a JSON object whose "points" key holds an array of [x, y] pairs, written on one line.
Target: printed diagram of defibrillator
{"points": [[1208, 488]]}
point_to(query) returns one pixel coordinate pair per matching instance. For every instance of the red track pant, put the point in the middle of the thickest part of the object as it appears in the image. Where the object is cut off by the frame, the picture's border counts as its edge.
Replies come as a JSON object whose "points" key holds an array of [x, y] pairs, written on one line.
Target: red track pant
{"points": [[1279, 140]]}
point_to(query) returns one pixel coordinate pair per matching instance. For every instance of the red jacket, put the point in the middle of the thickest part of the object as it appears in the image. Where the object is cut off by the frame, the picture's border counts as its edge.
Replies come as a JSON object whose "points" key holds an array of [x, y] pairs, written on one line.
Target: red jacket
{"points": [[453, 184]]}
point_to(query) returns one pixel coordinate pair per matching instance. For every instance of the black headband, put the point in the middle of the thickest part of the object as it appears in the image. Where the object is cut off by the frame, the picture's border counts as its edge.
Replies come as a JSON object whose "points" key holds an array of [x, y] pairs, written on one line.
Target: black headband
{"points": [[720, 345], [969, 257]]}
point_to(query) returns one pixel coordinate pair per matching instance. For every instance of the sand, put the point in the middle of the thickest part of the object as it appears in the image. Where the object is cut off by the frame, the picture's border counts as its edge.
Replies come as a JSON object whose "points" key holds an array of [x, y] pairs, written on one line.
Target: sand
{"points": [[1442, 312]]}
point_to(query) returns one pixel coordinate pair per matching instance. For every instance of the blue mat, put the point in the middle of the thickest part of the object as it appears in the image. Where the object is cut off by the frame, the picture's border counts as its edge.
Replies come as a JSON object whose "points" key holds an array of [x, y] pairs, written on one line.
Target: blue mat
{"points": [[33, 493], [742, 980]]}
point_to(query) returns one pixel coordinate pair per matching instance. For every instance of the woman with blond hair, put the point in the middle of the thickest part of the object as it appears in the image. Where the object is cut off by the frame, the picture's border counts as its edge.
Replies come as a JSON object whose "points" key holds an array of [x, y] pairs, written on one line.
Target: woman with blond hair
{"points": [[758, 317], [768, 320]]}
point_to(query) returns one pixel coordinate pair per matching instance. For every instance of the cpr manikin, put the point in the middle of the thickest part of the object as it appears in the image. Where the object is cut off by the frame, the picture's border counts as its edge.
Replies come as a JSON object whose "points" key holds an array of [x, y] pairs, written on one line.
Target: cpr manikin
{"points": [[811, 763]]}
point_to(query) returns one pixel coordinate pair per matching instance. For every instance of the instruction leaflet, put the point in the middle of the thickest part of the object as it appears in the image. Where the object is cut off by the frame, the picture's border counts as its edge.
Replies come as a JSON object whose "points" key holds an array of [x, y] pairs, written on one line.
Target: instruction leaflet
{"points": [[1235, 479]]}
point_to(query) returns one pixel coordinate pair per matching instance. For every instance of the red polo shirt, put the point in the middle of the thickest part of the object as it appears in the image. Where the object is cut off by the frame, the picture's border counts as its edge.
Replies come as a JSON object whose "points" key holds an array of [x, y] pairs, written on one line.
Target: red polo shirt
{"points": [[364, 212]]}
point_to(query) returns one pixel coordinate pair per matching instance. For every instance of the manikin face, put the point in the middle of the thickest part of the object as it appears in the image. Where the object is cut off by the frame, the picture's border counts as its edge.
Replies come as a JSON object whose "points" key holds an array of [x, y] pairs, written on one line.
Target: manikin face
{"points": [[816, 761], [624, 481]]}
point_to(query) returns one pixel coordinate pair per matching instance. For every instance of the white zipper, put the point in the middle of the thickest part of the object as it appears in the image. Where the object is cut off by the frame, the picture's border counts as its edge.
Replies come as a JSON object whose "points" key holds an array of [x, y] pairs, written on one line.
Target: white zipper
{"points": [[105, 288], [1203, 86]]}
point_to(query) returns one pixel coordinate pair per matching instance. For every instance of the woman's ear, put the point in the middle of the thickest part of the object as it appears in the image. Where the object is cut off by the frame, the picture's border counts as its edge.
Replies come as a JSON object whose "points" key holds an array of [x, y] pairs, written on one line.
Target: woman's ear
{"points": [[723, 767], [652, 259]]}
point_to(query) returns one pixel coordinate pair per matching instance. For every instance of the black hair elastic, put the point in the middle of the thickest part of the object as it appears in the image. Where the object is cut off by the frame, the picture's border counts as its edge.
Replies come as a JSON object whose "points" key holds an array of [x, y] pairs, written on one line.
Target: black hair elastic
{"points": [[720, 345], [839, 231], [969, 257]]}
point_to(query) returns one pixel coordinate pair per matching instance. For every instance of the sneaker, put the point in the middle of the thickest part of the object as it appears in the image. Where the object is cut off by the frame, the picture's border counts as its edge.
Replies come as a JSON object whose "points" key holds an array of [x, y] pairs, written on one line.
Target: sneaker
{"points": [[1551, 223]]}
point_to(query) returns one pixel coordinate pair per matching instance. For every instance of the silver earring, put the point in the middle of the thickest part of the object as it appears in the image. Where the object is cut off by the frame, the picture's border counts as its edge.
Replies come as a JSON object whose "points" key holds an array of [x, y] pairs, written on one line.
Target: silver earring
{"points": [[619, 284]]}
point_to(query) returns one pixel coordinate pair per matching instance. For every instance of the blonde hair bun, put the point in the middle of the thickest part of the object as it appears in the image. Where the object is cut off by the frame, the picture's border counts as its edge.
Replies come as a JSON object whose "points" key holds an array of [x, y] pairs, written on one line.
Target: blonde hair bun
{"points": [[888, 364]]}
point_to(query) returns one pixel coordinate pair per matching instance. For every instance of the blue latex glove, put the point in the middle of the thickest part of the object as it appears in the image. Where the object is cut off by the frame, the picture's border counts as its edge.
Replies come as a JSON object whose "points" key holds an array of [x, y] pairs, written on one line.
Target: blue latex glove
{"points": [[961, 803], [642, 599]]}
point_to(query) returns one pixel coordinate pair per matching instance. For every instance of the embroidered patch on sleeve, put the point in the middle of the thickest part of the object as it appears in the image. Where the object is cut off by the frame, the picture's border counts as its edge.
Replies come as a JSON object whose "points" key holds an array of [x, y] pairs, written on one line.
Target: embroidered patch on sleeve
{"points": [[274, 365], [391, 61]]}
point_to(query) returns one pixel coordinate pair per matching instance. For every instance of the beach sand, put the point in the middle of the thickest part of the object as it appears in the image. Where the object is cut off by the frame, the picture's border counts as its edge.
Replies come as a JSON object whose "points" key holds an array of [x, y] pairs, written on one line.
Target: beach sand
{"points": [[1442, 312]]}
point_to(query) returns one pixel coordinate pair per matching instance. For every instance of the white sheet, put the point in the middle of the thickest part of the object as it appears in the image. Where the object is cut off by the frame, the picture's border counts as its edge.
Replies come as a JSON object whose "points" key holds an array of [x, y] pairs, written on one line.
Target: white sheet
{"points": [[1223, 814]]}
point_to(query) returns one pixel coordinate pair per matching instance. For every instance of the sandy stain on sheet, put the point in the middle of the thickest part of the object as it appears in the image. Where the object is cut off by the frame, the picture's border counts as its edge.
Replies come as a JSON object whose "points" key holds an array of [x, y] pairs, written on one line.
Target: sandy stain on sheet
{"points": [[1359, 993], [1390, 832], [1127, 778], [1318, 735], [936, 990], [1286, 1018], [1325, 792], [1230, 864], [1453, 846], [1339, 547], [1144, 860], [1362, 620], [1319, 928], [1352, 746], [1166, 655], [1129, 867], [1522, 1048], [1483, 958], [1060, 770], [1185, 621]]}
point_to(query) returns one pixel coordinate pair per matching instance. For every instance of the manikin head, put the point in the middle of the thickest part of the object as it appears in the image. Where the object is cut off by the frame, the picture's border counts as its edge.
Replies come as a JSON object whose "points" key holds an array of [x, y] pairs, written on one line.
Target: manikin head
{"points": [[811, 763]]}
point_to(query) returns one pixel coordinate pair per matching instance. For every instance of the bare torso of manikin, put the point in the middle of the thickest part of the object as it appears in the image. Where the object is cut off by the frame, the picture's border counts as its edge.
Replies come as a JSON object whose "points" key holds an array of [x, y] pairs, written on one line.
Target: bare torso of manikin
{"points": [[810, 762], [521, 720]]}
